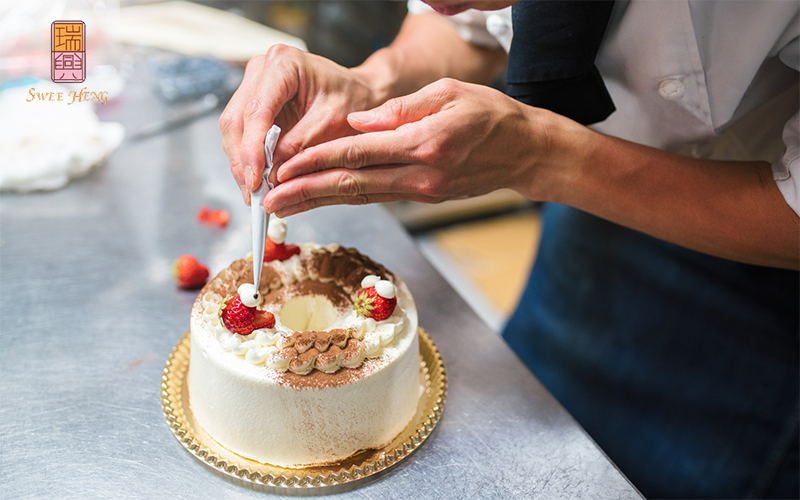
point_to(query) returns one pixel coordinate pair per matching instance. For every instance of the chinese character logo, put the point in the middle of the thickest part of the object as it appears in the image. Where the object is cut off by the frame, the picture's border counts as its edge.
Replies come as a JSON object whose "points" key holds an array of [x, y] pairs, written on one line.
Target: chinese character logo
{"points": [[68, 49]]}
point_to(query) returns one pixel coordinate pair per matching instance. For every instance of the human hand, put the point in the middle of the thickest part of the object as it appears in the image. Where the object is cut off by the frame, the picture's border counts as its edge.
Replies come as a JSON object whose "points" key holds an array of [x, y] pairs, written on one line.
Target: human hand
{"points": [[307, 96], [449, 140]]}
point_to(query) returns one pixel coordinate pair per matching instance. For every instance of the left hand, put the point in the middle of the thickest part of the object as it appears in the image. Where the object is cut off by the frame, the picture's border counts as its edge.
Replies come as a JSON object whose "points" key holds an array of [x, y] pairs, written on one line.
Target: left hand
{"points": [[449, 140]]}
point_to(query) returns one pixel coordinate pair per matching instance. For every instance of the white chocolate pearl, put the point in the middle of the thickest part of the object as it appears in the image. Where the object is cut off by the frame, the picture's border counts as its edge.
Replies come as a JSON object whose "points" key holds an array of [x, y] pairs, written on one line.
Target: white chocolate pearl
{"points": [[277, 230], [369, 281], [385, 289], [250, 297]]}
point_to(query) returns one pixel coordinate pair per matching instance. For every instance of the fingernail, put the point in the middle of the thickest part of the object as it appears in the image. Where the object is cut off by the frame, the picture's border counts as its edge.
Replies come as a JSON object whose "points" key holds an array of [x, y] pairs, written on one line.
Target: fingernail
{"points": [[280, 175], [248, 178], [245, 195], [363, 116], [273, 175]]}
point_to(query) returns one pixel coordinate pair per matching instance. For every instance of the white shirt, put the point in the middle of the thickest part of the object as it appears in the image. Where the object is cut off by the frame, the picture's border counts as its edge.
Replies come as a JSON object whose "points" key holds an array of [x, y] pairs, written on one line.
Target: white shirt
{"points": [[709, 79]]}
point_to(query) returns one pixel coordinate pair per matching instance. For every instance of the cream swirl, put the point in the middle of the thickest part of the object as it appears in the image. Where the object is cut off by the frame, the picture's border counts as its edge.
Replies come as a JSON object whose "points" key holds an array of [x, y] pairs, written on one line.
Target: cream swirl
{"points": [[277, 229]]}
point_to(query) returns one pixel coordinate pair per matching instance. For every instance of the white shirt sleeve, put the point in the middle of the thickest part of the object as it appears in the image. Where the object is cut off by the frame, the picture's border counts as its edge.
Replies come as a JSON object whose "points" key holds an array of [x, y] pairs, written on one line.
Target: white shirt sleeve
{"points": [[786, 171], [471, 24]]}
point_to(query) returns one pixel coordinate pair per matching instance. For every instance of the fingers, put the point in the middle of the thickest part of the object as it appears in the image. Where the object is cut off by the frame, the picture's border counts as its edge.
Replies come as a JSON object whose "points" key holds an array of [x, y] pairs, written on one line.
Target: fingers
{"points": [[277, 86], [401, 110], [231, 124], [312, 129], [353, 187], [270, 82], [398, 134], [338, 200], [355, 152]]}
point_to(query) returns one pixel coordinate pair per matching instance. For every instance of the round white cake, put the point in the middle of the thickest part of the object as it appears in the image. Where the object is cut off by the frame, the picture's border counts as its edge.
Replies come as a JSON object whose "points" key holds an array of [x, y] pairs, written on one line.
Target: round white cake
{"points": [[324, 382]]}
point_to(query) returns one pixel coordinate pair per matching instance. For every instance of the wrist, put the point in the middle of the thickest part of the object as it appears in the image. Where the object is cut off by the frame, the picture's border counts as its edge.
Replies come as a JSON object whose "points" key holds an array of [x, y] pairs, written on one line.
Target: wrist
{"points": [[380, 75], [562, 150]]}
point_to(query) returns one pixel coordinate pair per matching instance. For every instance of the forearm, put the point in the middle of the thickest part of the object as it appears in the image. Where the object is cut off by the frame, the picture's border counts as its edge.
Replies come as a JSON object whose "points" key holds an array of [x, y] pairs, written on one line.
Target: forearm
{"points": [[728, 209], [426, 49]]}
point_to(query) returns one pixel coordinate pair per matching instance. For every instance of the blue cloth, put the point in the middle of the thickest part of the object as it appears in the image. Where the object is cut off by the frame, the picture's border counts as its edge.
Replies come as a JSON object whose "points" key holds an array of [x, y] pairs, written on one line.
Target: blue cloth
{"points": [[681, 366]]}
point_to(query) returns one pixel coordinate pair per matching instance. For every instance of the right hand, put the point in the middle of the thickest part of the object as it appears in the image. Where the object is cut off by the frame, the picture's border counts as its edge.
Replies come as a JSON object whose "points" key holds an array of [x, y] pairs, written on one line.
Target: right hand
{"points": [[450, 140], [307, 96]]}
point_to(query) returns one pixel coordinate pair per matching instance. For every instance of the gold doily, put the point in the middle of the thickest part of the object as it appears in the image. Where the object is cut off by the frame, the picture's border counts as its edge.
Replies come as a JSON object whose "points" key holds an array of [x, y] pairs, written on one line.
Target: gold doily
{"points": [[175, 403]]}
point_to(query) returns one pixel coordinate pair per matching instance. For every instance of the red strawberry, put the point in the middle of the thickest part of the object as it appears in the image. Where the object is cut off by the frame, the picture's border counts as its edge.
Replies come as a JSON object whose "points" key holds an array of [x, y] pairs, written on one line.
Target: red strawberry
{"points": [[368, 303], [279, 251], [188, 272], [236, 316], [241, 319], [213, 217], [219, 217], [263, 319], [202, 215]]}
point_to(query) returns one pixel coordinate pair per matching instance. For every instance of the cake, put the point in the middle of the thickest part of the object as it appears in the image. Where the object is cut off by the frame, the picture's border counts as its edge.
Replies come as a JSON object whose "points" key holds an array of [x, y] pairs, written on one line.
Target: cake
{"points": [[329, 367]]}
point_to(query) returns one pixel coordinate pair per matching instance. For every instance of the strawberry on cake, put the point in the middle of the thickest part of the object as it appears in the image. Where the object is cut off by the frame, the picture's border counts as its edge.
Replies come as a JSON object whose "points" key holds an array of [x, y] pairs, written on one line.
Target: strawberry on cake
{"points": [[316, 365]]}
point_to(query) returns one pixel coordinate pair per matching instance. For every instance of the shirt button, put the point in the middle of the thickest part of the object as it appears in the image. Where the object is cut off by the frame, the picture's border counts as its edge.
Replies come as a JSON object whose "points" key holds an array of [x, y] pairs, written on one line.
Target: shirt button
{"points": [[497, 26], [672, 89]]}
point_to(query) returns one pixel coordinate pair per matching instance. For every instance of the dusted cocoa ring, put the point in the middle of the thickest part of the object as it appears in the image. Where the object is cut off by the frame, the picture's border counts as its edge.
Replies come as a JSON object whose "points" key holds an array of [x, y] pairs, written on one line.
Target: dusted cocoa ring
{"points": [[312, 296]]}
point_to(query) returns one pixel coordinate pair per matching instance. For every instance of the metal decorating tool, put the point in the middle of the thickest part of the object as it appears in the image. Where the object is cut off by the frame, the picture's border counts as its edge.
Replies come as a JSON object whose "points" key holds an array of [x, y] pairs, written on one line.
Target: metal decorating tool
{"points": [[260, 217]]}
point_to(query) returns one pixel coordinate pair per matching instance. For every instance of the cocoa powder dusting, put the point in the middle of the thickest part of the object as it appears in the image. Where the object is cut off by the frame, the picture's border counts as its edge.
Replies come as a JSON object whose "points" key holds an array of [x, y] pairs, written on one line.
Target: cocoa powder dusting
{"points": [[322, 342], [318, 380], [327, 359], [339, 337], [303, 340], [351, 351], [332, 272], [270, 279], [331, 291], [287, 353]]}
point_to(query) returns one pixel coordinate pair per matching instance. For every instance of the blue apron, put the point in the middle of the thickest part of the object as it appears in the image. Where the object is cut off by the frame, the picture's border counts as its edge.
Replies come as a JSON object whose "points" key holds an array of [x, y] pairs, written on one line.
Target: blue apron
{"points": [[681, 366]]}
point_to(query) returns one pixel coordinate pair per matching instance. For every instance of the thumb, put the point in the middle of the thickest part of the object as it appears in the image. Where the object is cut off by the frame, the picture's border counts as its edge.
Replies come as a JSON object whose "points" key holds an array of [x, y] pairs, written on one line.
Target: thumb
{"points": [[393, 113]]}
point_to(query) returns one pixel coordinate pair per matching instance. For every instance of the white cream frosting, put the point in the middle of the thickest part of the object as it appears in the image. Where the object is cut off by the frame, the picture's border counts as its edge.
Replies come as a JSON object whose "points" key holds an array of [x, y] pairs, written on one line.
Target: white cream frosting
{"points": [[369, 280], [385, 289], [249, 295], [277, 229], [245, 405]]}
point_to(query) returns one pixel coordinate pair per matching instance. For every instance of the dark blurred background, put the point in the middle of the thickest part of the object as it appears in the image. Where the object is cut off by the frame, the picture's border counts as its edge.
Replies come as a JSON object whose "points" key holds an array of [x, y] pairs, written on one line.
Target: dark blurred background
{"points": [[345, 32]]}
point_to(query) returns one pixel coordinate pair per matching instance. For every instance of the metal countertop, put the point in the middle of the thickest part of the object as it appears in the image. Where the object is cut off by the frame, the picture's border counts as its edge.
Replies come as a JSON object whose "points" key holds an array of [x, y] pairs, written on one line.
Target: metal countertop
{"points": [[89, 314]]}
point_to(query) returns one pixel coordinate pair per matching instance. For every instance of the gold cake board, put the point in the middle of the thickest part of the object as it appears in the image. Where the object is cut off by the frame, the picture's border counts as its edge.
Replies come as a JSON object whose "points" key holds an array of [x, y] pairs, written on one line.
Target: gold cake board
{"points": [[175, 403]]}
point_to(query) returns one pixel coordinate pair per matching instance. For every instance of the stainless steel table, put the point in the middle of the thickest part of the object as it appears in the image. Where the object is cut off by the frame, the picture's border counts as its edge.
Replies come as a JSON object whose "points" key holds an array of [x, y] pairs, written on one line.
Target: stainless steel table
{"points": [[89, 314]]}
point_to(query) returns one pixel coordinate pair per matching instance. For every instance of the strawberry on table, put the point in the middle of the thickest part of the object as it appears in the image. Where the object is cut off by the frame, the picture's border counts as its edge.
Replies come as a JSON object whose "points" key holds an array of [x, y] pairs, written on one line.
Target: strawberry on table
{"points": [[219, 217], [214, 217], [188, 272]]}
